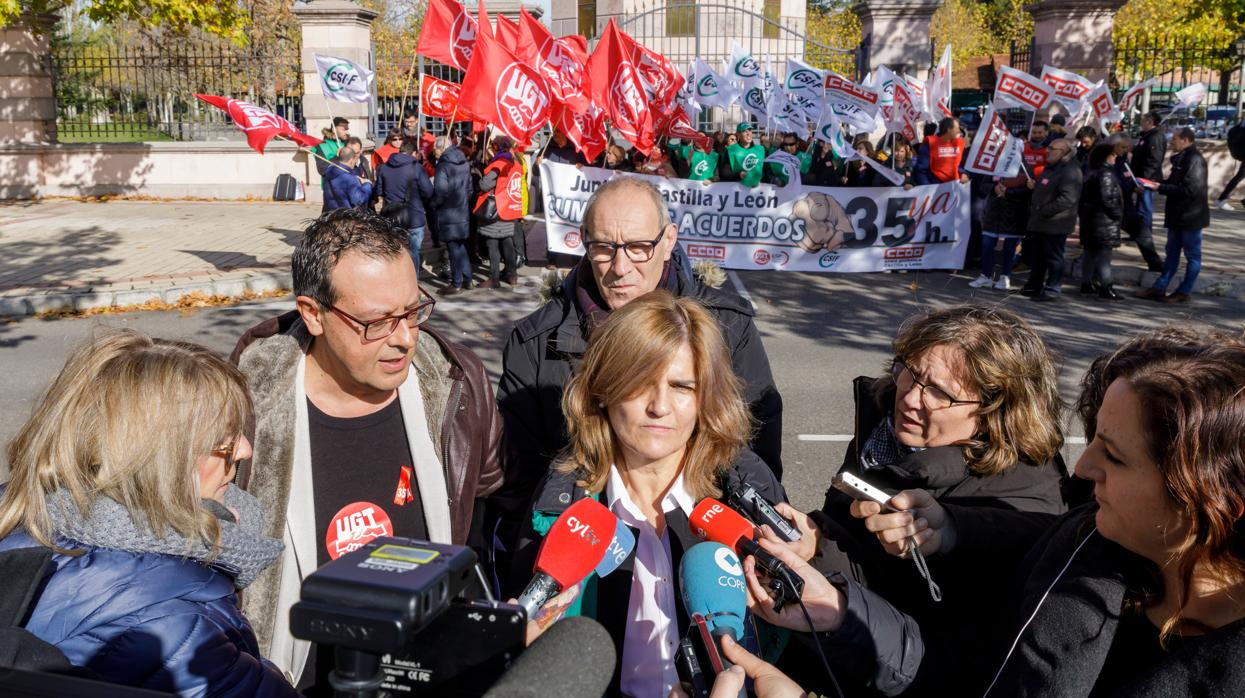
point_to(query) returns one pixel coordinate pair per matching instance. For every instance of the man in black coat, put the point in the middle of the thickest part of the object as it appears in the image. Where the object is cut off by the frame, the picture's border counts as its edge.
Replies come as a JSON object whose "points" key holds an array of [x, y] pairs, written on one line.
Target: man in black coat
{"points": [[1187, 212], [1052, 216], [1147, 163], [451, 189], [406, 189], [630, 245]]}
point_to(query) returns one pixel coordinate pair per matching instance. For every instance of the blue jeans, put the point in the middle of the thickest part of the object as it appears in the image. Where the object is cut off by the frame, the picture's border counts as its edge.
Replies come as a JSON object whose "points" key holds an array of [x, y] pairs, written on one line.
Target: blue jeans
{"points": [[460, 262], [415, 236], [988, 241], [1191, 242]]}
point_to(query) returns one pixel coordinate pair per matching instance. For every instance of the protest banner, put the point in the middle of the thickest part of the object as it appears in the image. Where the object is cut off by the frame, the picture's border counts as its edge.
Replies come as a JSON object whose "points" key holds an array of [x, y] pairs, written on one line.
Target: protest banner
{"points": [[794, 228]]}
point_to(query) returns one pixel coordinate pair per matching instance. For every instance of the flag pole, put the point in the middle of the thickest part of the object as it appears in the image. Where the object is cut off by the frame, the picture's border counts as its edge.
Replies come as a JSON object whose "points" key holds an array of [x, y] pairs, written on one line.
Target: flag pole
{"points": [[314, 154], [410, 73]]}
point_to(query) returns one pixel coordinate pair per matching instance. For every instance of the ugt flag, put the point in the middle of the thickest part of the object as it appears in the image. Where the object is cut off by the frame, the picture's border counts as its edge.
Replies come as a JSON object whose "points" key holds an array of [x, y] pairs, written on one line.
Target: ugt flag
{"points": [[448, 34], [505, 92], [259, 124], [614, 82], [439, 98], [343, 80]]}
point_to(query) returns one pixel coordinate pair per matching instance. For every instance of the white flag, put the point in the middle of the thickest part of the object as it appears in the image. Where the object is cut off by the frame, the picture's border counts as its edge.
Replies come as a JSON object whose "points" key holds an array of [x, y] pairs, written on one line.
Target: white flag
{"points": [[840, 90], [711, 89], [1129, 99], [803, 78], [810, 107], [686, 96], [906, 111], [891, 175], [1103, 107], [1020, 90], [938, 92], [831, 131], [343, 80], [1070, 89], [755, 101], [787, 118], [884, 83], [1191, 96], [740, 66], [788, 162], [852, 116], [994, 152], [918, 90]]}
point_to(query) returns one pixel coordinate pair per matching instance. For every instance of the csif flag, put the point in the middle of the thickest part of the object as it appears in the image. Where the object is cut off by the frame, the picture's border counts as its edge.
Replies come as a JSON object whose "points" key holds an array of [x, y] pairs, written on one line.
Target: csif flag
{"points": [[259, 124], [994, 152], [439, 98], [804, 79], [343, 80], [709, 88], [505, 92], [740, 66], [830, 130], [788, 162], [562, 61], [448, 34], [1020, 90], [615, 83]]}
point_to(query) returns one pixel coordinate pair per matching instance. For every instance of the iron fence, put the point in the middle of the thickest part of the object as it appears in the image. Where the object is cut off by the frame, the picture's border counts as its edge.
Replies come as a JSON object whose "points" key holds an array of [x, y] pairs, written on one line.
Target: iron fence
{"points": [[1175, 63], [397, 90], [118, 94]]}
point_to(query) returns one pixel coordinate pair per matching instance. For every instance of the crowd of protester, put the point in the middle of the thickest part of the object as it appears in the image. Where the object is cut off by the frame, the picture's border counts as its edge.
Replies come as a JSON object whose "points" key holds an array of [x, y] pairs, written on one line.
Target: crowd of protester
{"points": [[162, 480]]}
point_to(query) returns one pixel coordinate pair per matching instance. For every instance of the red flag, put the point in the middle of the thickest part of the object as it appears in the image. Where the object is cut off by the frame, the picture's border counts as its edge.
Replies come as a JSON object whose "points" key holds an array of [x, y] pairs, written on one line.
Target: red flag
{"points": [[259, 124], [483, 20], [662, 81], [560, 61], [587, 130], [439, 98], [677, 124], [502, 90], [614, 81], [448, 34], [507, 33]]}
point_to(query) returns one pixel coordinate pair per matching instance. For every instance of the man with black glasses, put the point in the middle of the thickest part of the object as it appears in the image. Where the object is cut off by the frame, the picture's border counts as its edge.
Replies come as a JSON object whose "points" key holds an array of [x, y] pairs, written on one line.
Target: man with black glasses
{"points": [[630, 245], [368, 422]]}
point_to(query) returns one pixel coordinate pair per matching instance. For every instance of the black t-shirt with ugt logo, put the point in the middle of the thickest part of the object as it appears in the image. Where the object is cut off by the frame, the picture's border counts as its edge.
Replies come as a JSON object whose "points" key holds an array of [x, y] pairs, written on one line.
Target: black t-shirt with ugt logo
{"points": [[363, 480]]}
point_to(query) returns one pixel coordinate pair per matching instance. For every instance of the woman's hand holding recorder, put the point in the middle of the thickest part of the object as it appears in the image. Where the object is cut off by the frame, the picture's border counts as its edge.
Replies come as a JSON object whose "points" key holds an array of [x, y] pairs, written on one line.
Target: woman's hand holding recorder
{"points": [[909, 514]]}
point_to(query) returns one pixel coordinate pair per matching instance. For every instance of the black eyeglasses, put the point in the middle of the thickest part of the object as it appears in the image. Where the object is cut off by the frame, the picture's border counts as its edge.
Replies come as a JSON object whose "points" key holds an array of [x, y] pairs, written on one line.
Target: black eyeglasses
{"points": [[383, 327], [932, 396], [638, 251]]}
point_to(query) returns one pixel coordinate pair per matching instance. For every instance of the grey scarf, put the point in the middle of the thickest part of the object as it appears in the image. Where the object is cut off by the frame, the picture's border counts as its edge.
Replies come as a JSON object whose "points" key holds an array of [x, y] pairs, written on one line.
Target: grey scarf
{"points": [[243, 552]]}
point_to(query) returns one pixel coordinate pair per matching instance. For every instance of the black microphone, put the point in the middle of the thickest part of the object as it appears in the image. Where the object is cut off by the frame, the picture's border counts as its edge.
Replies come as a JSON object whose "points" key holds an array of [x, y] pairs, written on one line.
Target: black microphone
{"points": [[573, 659]]}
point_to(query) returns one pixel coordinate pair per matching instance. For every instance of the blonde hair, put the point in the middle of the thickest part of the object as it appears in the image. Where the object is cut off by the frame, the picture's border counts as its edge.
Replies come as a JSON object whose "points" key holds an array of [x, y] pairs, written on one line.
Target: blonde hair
{"points": [[126, 418], [628, 354], [1009, 366]]}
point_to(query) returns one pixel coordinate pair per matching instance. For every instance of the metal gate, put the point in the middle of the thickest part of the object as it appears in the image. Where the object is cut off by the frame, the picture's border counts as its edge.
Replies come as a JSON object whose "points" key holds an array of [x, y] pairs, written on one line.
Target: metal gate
{"points": [[683, 31]]}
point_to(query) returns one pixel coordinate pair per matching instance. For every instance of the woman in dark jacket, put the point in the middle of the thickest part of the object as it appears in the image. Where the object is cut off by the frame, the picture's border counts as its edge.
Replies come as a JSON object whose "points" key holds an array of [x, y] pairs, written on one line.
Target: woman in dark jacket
{"points": [[405, 187], [655, 426], [1101, 213], [825, 169], [1138, 594], [451, 192], [857, 173], [498, 234], [124, 471], [969, 411]]}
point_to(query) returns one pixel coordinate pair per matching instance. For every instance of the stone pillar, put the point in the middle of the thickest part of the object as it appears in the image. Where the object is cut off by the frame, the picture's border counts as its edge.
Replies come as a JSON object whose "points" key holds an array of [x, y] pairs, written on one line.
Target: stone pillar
{"points": [[896, 33], [1073, 35], [337, 28], [27, 96]]}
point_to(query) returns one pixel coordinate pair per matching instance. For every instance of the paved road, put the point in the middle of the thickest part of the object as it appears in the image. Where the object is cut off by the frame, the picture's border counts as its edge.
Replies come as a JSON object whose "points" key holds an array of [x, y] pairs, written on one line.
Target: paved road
{"points": [[820, 332]]}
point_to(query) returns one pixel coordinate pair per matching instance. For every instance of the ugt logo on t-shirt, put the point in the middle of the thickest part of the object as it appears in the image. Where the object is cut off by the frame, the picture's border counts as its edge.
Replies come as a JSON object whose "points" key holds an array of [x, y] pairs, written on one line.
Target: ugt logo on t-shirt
{"points": [[355, 526]]}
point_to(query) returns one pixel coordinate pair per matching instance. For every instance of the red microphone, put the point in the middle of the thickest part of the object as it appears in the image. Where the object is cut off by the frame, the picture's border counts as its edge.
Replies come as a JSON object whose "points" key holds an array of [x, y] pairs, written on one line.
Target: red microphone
{"points": [[572, 549], [713, 520]]}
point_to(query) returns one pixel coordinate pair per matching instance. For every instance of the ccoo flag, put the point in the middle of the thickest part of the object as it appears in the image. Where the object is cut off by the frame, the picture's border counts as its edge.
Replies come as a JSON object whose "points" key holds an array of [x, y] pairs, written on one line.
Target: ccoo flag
{"points": [[343, 80]]}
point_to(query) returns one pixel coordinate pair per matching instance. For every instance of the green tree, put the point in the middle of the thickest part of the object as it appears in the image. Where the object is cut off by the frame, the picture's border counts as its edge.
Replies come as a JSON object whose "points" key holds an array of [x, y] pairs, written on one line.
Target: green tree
{"points": [[225, 19], [830, 29], [965, 25]]}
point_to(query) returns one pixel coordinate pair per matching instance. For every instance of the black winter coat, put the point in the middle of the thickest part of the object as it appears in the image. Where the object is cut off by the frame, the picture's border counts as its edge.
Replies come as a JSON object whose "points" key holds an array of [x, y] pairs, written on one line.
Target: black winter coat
{"points": [[1007, 214], [1148, 153], [1102, 209], [1053, 207], [545, 346], [402, 179], [451, 193], [1072, 584], [1187, 207]]}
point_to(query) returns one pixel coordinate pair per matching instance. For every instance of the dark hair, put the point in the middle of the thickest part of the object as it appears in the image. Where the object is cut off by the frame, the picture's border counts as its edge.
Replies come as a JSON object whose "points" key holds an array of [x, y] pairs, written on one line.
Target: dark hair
{"points": [[945, 124], [1099, 153], [929, 129], [334, 234], [409, 115], [355, 140], [394, 133], [1087, 131], [1187, 134], [339, 120], [1152, 117], [1039, 122], [1059, 120], [864, 140], [409, 146]]}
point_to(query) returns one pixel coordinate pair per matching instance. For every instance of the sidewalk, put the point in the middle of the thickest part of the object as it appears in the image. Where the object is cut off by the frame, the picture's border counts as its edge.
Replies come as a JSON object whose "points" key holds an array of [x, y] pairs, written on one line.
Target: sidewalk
{"points": [[64, 254]]}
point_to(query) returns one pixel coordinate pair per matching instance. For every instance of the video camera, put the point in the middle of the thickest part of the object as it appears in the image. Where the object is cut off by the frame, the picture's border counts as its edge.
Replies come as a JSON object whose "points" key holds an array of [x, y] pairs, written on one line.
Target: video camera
{"points": [[406, 616]]}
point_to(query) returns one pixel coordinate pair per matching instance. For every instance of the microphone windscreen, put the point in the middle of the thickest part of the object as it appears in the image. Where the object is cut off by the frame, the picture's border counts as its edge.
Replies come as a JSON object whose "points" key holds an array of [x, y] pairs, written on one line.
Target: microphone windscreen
{"points": [[620, 548], [576, 543], [574, 658], [713, 520], [711, 579]]}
